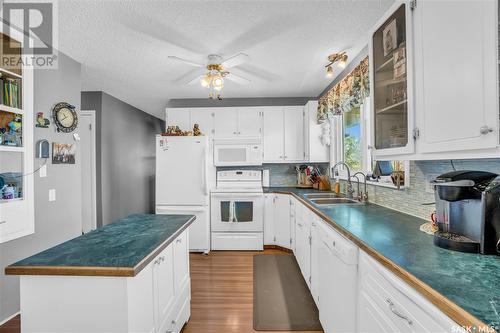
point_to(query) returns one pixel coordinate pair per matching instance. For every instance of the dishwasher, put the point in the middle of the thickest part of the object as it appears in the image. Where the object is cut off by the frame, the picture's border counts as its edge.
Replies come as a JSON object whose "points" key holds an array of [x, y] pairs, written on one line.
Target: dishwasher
{"points": [[337, 281]]}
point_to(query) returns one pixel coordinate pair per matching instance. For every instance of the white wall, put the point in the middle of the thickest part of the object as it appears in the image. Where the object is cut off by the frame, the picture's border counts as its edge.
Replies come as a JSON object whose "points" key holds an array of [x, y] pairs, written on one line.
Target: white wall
{"points": [[56, 221]]}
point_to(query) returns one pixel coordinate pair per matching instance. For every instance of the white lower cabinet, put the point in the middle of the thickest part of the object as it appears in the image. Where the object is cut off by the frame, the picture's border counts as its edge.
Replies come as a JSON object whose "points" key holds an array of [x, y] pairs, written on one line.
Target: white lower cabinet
{"points": [[388, 304], [277, 220], [303, 244]]}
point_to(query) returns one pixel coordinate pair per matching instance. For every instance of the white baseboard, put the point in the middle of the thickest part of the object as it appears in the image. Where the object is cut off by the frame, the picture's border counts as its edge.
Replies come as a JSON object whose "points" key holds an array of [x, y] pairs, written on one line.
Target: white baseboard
{"points": [[9, 318]]}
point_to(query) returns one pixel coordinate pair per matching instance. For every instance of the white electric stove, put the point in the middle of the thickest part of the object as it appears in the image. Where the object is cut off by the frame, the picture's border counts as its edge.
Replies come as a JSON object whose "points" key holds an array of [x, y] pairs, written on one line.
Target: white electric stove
{"points": [[237, 211]]}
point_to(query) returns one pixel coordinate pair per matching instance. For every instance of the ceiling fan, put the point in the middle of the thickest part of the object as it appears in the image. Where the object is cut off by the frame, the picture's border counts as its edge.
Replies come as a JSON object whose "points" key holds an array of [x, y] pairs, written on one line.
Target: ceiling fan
{"points": [[213, 74]]}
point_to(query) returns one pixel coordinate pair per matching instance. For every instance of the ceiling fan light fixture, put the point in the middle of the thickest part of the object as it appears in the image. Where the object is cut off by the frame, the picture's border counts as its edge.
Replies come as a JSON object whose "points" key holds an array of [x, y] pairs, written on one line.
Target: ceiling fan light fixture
{"points": [[218, 82], [205, 81]]}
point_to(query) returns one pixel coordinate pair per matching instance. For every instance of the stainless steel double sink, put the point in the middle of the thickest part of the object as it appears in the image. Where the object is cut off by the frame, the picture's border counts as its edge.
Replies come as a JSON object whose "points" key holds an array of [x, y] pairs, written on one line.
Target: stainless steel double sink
{"points": [[325, 199]]}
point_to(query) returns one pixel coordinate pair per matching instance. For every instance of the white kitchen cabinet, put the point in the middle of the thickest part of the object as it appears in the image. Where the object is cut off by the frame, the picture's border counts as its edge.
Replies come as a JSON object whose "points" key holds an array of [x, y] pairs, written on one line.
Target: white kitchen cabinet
{"points": [[250, 121], [179, 117], [234, 122], [226, 122], [456, 75], [303, 247], [452, 100], [315, 150], [388, 304], [277, 230], [204, 117], [294, 133], [282, 220], [391, 86], [274, 135], [283, 134], [164, 284], [181, 255], [314, 282], [269, 200]]}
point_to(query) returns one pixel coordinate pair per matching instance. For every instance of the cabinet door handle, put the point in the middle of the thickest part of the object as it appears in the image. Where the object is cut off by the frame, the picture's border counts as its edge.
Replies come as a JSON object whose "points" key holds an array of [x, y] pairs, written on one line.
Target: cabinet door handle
{"points": [[3, 222], [178, 240], [162, 258], [235, 133], [393, 309], [485, 130], [300, 225]]}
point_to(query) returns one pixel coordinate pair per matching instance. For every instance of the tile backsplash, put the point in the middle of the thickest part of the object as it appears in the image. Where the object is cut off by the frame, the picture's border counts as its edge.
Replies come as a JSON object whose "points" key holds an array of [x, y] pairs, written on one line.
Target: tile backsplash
{"points": [[280, 175], [415, 200]]}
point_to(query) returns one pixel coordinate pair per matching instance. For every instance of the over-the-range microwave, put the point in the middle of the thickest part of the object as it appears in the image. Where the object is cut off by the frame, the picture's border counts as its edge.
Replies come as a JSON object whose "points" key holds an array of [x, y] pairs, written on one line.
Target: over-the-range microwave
{"points": [[237, 152]]}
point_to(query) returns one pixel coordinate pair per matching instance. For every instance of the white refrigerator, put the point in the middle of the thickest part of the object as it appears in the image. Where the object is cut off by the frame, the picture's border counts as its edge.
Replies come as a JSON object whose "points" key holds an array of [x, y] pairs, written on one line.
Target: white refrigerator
{"points": [[184, 176]]}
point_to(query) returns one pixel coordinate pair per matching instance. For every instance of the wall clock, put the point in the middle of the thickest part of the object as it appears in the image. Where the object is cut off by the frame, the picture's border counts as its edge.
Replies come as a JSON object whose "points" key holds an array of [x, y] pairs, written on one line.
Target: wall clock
{"points": [[65, 117]]}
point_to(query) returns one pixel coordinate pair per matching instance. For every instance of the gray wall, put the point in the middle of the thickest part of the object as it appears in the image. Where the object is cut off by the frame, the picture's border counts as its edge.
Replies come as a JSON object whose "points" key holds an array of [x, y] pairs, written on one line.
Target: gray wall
{"points": [[126, 169], [56, 221], [228, 102]]}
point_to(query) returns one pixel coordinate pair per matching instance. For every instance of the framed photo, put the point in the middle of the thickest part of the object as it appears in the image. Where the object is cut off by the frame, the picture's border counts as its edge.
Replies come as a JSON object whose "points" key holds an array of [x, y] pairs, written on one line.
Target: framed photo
{"points": [[390, 37], [63, 153]]}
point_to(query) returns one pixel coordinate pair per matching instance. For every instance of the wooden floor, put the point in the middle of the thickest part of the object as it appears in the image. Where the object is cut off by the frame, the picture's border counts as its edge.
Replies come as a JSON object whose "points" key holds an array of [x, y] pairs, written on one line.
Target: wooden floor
{"points": [[222, 294]]}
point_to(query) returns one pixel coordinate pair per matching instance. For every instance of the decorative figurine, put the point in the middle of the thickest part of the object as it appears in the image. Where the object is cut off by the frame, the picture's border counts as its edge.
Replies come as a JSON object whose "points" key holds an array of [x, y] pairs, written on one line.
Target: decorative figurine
{"points": [[41, 121], [196, 130]]}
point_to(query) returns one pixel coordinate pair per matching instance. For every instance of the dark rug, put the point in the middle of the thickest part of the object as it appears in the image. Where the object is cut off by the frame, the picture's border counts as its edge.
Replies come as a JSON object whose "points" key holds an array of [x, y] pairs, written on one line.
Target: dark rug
{"points": [[281, 299]]}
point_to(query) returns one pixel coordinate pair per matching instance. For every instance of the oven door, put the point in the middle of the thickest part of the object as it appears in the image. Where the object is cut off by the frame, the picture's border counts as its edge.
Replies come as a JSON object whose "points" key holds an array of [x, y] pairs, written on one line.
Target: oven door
{"points": [[237, 212]]}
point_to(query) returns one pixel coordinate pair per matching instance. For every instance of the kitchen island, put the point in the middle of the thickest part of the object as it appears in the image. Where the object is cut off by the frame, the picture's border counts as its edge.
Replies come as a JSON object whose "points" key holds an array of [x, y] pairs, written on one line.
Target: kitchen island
{"points": [[129, 276]]}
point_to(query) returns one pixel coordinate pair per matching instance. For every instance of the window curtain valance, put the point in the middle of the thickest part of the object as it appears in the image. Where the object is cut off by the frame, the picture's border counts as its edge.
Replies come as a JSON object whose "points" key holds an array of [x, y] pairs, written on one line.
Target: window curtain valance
{"points": [[345, 95]]}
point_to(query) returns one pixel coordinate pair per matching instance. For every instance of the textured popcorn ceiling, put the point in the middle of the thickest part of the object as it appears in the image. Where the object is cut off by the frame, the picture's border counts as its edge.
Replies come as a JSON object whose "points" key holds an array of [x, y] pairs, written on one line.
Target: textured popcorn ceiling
{"points": [[124, 45]]}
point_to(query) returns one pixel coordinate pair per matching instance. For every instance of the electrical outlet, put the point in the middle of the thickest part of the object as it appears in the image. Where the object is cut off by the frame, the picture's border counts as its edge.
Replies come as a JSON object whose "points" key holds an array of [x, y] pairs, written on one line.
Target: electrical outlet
{"points": [[43, 171], [52, 194], [429, 187]]}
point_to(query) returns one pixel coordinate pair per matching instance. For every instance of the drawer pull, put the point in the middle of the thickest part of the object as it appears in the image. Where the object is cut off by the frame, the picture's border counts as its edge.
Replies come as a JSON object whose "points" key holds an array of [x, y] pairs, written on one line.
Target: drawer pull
{"points": [[392, 307], [3, 222], [300, 225]]}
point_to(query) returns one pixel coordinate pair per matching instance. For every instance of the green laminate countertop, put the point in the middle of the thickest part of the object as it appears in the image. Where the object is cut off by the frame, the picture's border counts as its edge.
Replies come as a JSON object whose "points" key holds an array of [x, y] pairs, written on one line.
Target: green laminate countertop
{"points": [[471, 281], [121, 248]]}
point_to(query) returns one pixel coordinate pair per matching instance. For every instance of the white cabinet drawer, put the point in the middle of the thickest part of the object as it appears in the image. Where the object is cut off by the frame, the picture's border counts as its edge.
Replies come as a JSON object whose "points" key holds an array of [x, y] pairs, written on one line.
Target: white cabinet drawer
{"points": [[237, 241], [405, 307]]}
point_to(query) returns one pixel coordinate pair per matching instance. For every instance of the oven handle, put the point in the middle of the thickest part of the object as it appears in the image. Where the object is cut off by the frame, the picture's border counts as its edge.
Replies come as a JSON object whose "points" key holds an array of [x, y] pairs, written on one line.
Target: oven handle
{"points": [[236, 195]]}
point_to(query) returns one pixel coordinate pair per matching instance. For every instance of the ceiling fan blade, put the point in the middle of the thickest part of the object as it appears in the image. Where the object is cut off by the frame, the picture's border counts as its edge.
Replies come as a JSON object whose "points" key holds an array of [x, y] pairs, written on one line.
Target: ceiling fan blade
{"points": [[236, 60], [190, 77], [238, 79], [189, 62]]}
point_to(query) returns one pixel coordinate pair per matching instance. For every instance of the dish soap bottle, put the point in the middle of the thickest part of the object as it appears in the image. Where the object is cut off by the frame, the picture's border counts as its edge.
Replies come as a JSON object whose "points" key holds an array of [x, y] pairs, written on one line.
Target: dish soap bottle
{"points": [[336, 187]]}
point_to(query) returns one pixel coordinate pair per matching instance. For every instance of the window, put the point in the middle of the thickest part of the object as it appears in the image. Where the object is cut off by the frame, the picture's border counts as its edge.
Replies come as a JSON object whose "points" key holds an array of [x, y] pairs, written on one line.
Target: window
{"points": [[351, 139], [353, 154]]}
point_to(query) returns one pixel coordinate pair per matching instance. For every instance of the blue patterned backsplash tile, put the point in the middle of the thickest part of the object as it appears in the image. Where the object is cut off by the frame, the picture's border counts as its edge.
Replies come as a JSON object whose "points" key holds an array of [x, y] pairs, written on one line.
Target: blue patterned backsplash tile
{"points": [[415, 200], [280, 175]]}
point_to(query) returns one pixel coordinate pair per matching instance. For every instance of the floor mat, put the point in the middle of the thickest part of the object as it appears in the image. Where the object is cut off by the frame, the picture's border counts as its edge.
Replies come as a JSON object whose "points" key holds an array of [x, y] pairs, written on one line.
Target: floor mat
{"points": [[281, 299]]}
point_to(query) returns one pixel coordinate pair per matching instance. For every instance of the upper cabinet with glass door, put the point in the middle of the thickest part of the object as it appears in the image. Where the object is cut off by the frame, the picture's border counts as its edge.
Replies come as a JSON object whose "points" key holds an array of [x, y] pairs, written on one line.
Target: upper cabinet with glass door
{"points": [[390, 77], [16, 140]]}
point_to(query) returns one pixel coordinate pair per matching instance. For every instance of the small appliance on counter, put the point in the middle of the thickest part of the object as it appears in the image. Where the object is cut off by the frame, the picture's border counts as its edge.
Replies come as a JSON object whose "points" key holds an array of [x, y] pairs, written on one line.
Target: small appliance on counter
{"points": [[468, 212]]}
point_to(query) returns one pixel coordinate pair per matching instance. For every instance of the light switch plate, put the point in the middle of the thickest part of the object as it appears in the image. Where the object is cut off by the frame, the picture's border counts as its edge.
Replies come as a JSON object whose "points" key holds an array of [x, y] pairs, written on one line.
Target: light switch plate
{"points": [[43, 171], [429, 187], [52, 194]]}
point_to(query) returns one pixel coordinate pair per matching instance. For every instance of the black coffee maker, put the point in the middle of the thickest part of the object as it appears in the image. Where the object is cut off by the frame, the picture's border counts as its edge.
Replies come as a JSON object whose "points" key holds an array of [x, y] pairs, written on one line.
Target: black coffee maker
{"points": [[468, 211]]}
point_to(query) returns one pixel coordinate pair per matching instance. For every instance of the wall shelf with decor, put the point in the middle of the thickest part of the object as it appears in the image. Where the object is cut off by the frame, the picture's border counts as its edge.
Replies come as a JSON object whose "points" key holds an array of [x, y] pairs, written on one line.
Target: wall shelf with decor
{"points": [[16, 143]]}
